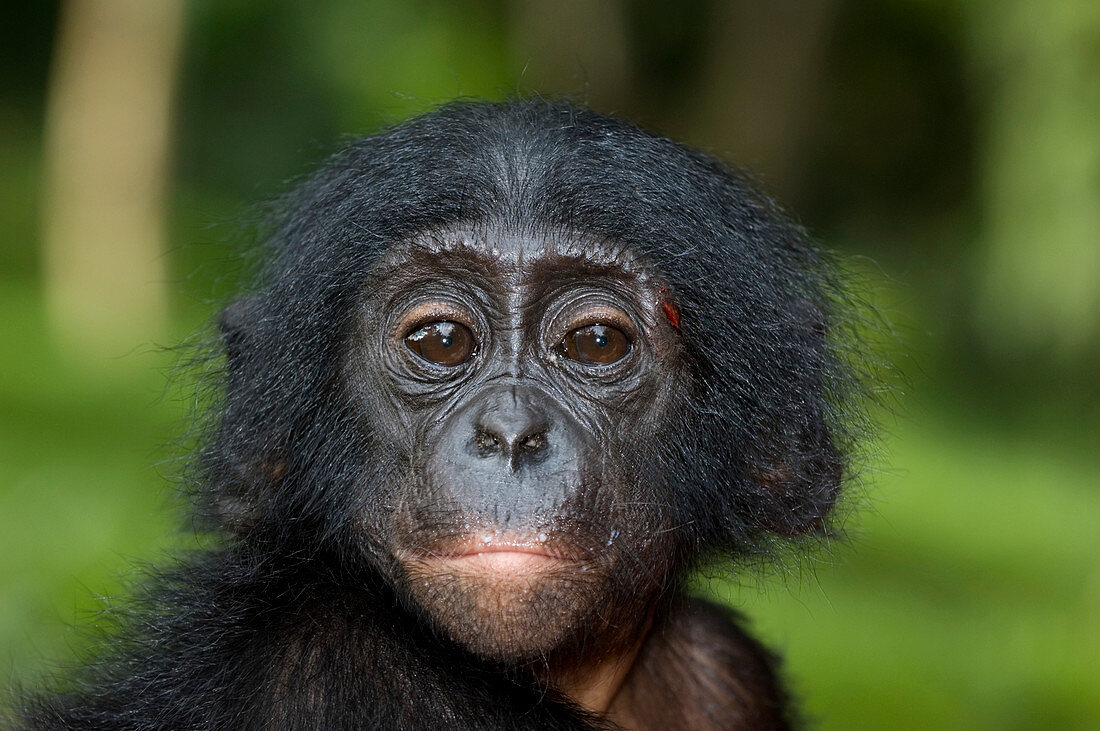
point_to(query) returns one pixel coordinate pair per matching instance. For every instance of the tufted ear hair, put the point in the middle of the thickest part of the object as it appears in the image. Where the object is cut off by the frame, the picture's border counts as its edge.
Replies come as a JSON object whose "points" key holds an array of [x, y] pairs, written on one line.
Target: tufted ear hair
{"points": [[237, 501], [235, 322], [799, 473], [799, 490]]}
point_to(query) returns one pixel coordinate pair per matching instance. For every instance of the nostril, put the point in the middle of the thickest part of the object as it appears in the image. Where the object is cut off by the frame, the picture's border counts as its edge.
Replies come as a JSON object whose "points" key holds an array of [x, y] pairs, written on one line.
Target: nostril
{"points": [[533, 442], [487, 442]]}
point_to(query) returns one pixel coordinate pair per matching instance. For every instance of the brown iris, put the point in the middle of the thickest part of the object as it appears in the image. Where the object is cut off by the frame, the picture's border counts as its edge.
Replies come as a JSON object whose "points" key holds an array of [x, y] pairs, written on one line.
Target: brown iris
{"points": [[444, 343], [595, 345]]}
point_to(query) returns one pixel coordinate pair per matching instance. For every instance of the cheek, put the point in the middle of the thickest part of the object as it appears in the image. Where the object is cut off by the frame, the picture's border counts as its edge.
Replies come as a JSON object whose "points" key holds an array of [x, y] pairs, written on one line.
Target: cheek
{"points": [[393, 412]]}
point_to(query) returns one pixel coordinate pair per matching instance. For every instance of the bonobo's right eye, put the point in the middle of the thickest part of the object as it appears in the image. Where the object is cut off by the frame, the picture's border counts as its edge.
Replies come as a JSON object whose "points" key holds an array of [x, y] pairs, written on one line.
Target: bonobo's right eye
{"points": [[444, 343]]}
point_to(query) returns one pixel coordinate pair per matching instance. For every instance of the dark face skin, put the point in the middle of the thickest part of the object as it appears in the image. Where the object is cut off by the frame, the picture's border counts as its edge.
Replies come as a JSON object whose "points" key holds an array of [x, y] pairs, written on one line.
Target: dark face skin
{"points": [[524, 381]]}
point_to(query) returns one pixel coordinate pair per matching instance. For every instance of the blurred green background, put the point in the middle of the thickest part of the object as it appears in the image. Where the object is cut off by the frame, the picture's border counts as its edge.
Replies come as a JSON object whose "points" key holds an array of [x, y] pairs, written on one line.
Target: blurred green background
{"points": [[950, 150]]}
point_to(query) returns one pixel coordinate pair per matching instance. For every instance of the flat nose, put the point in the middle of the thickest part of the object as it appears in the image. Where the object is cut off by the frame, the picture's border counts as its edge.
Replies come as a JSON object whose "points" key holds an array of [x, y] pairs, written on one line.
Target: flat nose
{"points": [[509, 455], [511, 425]]}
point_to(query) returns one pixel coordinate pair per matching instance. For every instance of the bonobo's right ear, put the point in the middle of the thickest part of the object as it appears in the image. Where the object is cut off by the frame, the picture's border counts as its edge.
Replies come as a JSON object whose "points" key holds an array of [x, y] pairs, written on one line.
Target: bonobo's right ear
{"points": [[235, 322], [242, 470]]}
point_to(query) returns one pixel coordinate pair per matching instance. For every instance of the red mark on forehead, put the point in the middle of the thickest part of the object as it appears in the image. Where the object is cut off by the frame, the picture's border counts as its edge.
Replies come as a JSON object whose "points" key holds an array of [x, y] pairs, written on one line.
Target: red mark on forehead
{"points": [[672, 312]]}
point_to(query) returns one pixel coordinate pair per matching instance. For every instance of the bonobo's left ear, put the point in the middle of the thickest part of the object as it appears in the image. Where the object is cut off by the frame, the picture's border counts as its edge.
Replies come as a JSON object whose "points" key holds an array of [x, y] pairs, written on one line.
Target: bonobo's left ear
{"points": [[800, 489], [801, 469]]}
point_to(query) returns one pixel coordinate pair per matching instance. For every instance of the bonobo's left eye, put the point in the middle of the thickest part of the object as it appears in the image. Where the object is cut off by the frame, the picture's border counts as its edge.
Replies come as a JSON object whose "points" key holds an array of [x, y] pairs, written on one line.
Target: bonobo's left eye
{"points": [[595, 345], [444, 343]]}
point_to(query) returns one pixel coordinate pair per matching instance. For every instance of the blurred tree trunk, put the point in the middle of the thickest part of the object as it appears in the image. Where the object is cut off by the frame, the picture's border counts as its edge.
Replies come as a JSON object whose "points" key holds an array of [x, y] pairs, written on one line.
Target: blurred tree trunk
{"points": [[758, 91], [106, 156], [574, 46], [1040, 277]]}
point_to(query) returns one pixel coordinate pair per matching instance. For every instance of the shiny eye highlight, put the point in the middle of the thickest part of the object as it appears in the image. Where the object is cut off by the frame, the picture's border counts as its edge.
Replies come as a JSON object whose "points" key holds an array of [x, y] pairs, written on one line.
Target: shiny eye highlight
{"points": [[443, 343], [595, 345]]}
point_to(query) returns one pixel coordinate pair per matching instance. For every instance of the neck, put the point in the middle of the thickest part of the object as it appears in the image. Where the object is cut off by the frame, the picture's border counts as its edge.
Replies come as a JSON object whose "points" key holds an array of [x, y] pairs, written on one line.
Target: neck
{"points": [[594, 685]]}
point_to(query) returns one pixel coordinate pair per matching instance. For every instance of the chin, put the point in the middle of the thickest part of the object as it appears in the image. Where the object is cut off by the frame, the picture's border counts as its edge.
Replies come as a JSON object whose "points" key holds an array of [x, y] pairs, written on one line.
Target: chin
{"points": [[506, 605]]}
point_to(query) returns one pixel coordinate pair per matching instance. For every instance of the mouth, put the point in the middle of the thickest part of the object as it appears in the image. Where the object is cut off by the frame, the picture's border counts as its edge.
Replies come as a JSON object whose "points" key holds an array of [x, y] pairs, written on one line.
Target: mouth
{"points": [[490, 553]]}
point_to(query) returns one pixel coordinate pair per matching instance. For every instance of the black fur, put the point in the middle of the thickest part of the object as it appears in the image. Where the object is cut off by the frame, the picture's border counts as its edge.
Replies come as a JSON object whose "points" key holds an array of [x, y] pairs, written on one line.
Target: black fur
{"points": [[295, 623]]}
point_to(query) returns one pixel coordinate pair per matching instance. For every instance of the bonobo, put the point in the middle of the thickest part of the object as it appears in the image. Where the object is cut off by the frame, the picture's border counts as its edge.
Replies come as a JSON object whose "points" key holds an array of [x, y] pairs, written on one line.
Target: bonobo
{"points": [[511, 373]]}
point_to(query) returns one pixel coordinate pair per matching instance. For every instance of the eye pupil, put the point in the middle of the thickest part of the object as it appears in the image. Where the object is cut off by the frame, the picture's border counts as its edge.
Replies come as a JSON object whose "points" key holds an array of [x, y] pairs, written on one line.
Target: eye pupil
{"points": [[595, 345], [443, 343]]}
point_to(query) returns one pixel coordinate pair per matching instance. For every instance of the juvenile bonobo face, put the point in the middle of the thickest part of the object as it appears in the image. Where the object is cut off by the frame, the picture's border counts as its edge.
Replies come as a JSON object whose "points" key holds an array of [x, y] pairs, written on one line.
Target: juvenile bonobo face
{"points": [[524, 381]]}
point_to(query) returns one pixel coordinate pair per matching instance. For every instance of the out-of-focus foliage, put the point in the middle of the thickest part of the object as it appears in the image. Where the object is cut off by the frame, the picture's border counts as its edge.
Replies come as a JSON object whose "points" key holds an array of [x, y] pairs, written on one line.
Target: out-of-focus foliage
{"points": [[951, 150], [1041, 181]]}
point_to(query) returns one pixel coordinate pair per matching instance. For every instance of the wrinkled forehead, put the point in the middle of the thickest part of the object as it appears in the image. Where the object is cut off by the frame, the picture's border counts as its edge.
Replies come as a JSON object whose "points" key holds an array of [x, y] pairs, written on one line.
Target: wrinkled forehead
{"points": [[494, 252]]}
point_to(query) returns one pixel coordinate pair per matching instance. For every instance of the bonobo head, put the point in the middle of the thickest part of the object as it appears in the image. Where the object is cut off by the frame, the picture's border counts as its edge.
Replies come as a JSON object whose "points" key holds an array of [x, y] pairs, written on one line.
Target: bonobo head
{"points": [[530, 364], [524, 379]]}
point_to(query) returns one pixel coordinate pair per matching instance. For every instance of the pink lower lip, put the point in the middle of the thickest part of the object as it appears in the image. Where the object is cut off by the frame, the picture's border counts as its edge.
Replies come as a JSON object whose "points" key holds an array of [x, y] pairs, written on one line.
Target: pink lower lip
{"points": [[479, 544], [502, 560], [496, 552]]}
